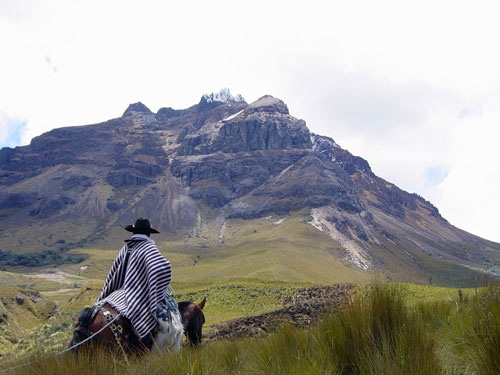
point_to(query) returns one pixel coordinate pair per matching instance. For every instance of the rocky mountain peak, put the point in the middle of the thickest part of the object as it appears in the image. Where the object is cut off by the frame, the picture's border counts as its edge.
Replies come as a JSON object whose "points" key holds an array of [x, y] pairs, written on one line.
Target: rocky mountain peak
{"points": [[136, 108], [267, 103], [223, 96]]}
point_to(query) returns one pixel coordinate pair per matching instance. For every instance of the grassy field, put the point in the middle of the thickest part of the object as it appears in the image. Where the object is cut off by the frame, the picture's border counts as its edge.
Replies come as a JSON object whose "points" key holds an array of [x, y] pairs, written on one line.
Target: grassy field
{"points": [[385, 329], [249, 269]]}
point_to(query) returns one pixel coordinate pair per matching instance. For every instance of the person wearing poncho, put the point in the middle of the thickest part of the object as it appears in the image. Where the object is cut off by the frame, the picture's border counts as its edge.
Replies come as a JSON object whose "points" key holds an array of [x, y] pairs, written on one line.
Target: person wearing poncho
{"points": [[137, 281]]}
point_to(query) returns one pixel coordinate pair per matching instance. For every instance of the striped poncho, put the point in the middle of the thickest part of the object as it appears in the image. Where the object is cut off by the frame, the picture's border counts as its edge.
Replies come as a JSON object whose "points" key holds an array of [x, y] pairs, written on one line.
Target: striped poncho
{"points": [[136, 283]]}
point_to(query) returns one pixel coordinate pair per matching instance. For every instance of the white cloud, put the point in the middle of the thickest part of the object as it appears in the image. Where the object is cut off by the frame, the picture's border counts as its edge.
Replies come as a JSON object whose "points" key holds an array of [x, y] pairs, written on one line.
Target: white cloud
{"points": [[411, 87]]}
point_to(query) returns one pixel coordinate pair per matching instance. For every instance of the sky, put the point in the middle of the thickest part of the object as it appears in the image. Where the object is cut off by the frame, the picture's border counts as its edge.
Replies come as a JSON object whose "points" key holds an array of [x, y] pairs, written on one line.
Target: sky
{"points": [[413, 87]]}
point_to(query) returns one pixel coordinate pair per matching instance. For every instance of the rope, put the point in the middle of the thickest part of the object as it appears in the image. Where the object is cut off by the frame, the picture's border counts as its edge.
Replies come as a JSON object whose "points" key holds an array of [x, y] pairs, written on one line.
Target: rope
{"points": [[64, 351]]}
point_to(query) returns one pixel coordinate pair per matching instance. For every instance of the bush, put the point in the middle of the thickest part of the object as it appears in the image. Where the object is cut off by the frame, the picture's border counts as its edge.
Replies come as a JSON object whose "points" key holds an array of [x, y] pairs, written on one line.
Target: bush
{"points": [[39, 258]]}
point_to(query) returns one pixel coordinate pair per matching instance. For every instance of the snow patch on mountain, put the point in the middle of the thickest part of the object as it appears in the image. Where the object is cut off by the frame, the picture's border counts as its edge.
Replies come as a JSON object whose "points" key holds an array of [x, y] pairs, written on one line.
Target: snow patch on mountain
{"points": [[223, 96], [319, 141], [324, 145], [229, 118]]}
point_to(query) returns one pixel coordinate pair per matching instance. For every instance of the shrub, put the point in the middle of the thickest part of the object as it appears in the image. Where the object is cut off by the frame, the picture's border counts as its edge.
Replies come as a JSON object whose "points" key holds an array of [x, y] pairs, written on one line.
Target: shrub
{"points": [[39, 258]]}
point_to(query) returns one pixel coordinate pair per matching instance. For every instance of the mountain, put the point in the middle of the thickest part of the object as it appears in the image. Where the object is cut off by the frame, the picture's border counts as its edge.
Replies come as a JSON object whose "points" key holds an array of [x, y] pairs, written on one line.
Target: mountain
{"points": [[195, 172]]}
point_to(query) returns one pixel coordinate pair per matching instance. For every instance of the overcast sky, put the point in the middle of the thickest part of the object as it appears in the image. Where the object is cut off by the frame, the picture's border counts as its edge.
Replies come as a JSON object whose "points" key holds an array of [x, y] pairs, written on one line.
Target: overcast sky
{"points": [[412, 87]]}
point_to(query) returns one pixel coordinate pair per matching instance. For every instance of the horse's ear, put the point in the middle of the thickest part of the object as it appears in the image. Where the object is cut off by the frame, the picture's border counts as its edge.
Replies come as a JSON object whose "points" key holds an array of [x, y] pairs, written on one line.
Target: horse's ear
{"points": [[202, 303]]}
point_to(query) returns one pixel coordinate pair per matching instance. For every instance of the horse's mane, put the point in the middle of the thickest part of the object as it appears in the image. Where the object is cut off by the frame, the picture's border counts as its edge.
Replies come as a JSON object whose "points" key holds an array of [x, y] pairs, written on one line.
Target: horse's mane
{"points": [[86, 316], [82, 331]]}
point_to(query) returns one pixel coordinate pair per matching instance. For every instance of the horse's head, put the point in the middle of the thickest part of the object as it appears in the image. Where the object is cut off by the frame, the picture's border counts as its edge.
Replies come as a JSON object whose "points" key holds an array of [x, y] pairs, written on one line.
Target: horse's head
{"points": [[192, 319], [93, 324]]}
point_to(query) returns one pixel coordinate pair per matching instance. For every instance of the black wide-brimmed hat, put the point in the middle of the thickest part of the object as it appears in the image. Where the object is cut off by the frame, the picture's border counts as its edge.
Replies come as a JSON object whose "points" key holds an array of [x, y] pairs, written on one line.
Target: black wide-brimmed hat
{"points": [[141, 226]]}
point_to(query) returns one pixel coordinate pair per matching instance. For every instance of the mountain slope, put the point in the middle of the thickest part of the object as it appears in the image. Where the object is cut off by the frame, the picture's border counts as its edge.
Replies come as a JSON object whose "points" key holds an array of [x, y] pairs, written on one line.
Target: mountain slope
{"points": [[197, 171]]}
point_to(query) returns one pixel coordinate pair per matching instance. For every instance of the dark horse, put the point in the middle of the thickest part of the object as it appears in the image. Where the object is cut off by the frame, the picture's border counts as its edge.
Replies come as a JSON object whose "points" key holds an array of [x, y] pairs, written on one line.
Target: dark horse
{"points": [[192, 319], [108, 328]]}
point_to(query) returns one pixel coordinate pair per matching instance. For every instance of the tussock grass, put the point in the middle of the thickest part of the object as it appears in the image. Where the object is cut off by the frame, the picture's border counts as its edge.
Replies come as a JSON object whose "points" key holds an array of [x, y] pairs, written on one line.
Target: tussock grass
{"points": [[379, 334], [482, 334]]}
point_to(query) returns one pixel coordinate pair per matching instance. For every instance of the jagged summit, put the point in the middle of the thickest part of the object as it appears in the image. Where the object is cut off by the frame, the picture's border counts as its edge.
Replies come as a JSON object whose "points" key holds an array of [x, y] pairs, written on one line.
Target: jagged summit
{"points": [[223, 96], [207, 101], [137, 108]]}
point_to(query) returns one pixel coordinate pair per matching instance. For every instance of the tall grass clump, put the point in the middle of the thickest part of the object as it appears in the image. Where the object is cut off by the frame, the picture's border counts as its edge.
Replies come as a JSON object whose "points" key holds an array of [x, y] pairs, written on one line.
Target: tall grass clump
{"points": [[482, 334], [214, 358], [288, 351], [85, 363], [378, 334]]}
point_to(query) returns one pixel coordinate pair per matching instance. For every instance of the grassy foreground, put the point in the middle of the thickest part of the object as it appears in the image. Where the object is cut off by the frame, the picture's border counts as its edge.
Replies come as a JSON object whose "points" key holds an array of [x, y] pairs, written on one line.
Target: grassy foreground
{"points": [[385, 329]]}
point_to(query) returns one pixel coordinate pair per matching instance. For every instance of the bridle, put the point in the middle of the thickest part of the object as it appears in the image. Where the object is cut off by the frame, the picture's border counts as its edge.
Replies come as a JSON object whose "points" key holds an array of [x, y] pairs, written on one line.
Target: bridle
{"points": [[113, 322]]}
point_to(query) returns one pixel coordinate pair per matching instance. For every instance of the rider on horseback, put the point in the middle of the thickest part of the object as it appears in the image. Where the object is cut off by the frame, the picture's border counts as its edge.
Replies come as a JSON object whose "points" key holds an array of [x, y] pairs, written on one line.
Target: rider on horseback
{"points": [[136, 283]]}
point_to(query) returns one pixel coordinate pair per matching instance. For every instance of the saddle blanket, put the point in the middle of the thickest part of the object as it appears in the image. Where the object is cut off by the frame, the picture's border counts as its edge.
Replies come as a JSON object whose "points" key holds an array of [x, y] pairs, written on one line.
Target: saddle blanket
{"points": [[169, 331]]}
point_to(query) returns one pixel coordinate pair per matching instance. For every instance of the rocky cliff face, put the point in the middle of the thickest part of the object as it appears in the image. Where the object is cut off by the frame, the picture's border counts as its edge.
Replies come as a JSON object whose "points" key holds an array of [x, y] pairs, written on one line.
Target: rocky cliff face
{"points": [[220, 159]]}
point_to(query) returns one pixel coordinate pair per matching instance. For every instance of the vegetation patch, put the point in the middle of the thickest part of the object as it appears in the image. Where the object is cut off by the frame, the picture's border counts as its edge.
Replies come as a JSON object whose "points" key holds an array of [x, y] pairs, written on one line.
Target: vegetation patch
{"points": [[39, 258]]}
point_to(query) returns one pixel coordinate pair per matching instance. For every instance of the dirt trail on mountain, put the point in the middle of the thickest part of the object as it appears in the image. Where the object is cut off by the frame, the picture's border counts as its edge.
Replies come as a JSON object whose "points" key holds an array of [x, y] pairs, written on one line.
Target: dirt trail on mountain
{"points": [[55, 276], [306, 308]]}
